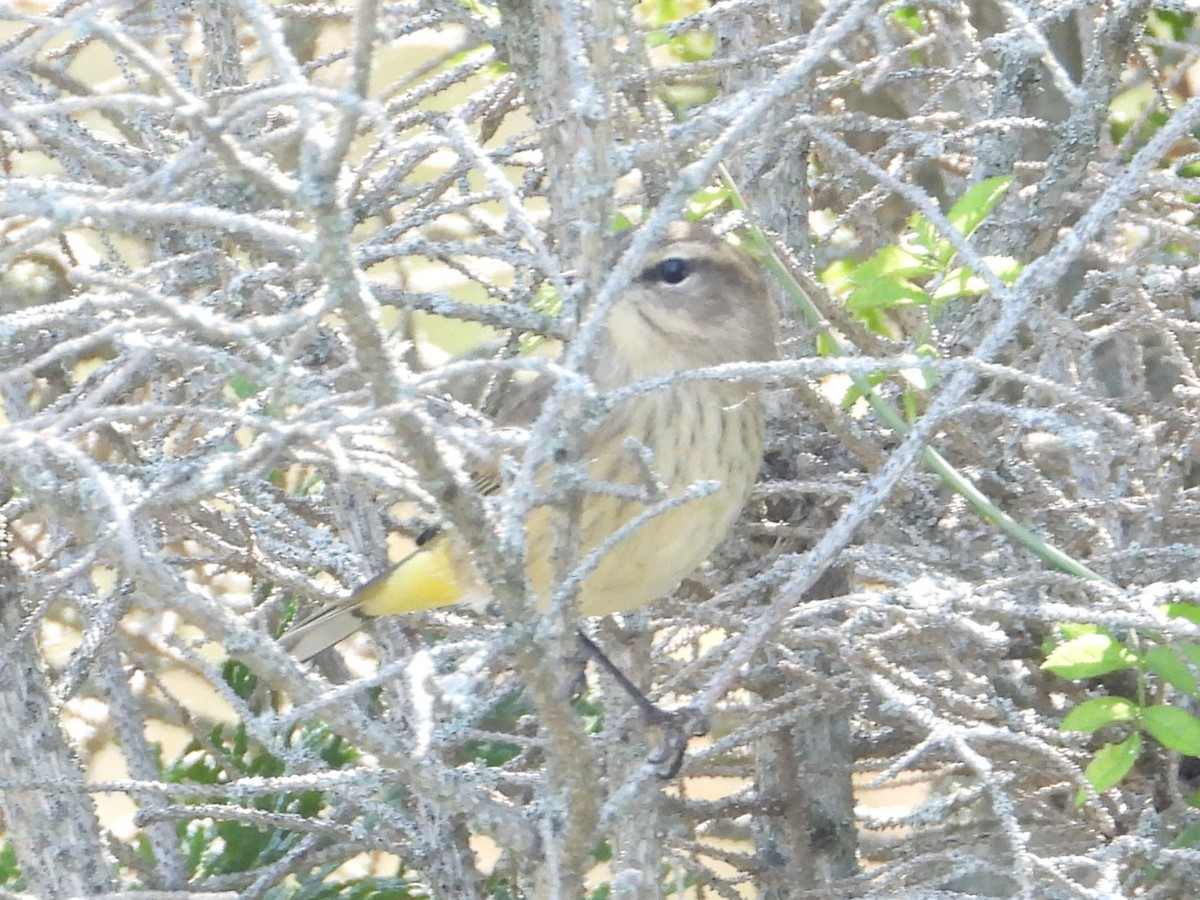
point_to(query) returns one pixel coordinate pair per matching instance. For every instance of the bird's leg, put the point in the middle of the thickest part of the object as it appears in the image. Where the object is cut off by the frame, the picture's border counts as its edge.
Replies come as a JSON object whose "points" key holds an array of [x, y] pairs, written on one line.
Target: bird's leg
{"points": [[678, 726]]}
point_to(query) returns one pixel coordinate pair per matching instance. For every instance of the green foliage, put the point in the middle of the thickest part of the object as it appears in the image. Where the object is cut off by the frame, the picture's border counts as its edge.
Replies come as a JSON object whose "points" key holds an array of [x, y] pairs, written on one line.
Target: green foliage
{"points": [[591, 714], [919, 271], [504, 717], [494, 68], [507, 717], [397, 887], [1089, 651], [1136, 107], [1189, 837], [243, 388], [909, 17], [1170, 25], [1174, 728], [547, 300], [708, 201], [485, 10], [603, 852], [689, 883], [215, 846], [714, 200], [693, 45], [229, 846], [1111, 763], [1094, 714], [240, 677], [1149, 102], [1089, 655], [10, 874], [500, 888]]}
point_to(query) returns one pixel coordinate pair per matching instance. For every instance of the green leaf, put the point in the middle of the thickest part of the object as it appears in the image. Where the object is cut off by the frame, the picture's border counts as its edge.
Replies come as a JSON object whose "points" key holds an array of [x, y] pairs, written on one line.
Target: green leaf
{"points": [[962, 282], [1068, 631], [858, 390], [546, 299], [1089, 656], [1007, 269], [240, 677], [885, 294], [909, 17], [1168, 25], [243, 388], [1071, 630], [196, 837], [881, 322], [10, 873], [602, 852], [1189, 611], [1190, 836], [1171, 668], [1092, 715], [892, 261], [1113, 762], [707, 201], [490, 753], [1174, 728], [660, 13], [827, 345], [620, 222], [968, 213], [1191, 651], [491, 14], [693, 46], [925, 235], [657, 38], [838, 276]]}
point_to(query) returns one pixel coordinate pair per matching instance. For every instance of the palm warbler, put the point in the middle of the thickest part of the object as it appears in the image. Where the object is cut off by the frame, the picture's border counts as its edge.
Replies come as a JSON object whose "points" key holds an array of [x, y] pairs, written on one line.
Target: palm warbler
{"points": [[697, 302]]}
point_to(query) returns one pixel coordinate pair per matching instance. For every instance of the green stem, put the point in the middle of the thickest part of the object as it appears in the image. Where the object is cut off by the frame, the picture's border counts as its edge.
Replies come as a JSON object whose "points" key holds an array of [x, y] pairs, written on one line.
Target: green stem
{"points": [[933, 460]]}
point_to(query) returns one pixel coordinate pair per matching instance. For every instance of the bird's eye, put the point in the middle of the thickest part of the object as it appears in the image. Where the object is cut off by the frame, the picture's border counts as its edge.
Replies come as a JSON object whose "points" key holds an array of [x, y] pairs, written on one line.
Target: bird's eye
{"points": [[673, 270]]}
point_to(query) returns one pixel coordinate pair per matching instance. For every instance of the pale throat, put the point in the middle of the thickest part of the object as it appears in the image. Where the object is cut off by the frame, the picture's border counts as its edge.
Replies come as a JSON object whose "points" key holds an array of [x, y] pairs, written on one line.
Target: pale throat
{"points": [[649, 347]]}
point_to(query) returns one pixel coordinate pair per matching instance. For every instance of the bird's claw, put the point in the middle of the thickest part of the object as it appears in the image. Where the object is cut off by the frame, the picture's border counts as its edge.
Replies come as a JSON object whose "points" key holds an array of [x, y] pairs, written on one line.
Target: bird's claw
{"points": [[677, 726]]}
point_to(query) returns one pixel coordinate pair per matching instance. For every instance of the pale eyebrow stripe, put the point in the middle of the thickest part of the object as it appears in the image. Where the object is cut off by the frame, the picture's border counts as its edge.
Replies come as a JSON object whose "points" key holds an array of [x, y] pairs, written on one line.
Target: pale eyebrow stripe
{"points": [[686, 249]]}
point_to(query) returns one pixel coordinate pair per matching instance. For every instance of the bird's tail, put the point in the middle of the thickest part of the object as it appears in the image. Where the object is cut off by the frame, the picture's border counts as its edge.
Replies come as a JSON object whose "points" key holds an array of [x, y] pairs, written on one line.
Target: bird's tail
{"points": [[322, 630], [433, 575]]}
